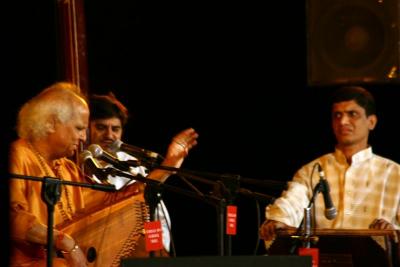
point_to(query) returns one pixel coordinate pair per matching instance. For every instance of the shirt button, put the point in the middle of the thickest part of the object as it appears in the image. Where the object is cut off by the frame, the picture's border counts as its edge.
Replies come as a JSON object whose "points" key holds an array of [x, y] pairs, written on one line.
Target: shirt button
{"points": [[347, 212]]}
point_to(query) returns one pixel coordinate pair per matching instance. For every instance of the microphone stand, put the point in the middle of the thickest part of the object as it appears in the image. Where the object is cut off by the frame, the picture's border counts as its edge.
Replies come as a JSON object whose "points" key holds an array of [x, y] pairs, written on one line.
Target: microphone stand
{"points": [[51, 194], [214, 177], [153, 188], [226, 188], [152, 195], [200, 176], [306, 226], [216, 198]]}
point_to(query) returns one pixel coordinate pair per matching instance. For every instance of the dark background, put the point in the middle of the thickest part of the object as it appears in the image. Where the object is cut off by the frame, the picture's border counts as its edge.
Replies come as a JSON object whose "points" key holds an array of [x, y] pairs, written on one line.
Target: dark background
{"points": [[234, 71]]}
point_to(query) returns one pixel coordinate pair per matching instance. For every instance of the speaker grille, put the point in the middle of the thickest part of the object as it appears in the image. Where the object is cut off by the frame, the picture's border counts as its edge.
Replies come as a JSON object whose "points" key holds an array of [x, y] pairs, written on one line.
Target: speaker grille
{"points": [[352, 41]]}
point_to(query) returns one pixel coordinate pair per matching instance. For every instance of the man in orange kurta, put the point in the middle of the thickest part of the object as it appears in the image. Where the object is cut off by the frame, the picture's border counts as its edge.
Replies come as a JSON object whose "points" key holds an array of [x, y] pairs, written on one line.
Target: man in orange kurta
{"points": [[50, 126]]}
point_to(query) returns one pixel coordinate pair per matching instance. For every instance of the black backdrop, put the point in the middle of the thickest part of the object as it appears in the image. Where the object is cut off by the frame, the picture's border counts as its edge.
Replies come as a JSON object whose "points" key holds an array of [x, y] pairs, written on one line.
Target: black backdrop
{"points": [[234, 71]]}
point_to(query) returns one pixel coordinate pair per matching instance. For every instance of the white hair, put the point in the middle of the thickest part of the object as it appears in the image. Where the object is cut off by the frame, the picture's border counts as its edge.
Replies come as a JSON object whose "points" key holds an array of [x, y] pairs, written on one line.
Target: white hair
{"points": [[55, 103]]}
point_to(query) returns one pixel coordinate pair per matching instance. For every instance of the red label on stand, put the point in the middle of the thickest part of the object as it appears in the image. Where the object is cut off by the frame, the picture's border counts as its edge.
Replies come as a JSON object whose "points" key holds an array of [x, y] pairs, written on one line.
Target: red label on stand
{"points": [[313, 252], [231, 219], [153, 236]]}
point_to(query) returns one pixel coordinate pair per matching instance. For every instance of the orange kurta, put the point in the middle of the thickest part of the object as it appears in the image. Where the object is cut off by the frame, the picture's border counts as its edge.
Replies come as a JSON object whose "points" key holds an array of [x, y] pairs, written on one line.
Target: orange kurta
{"points": [[28, 207]]}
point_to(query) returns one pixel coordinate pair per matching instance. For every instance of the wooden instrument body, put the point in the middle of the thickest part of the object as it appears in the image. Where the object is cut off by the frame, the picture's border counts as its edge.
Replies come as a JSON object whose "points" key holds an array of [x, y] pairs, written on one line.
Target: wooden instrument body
{"points": [[111, 233]]}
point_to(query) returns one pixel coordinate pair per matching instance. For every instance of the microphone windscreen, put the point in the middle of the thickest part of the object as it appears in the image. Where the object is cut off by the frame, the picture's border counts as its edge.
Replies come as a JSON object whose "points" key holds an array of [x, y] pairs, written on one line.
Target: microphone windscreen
{"points": [[115, 146], [96, 150]]}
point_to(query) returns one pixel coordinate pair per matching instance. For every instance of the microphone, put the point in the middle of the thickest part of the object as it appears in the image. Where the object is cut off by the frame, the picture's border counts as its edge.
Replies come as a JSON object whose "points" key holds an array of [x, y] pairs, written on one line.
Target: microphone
{"points": [[100, 153], [118, 145], [87, 158], [330, 210]]}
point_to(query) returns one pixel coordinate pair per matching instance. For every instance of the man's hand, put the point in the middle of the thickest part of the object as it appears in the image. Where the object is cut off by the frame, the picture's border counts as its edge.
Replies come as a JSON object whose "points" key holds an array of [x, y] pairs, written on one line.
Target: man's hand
{"points": [[269, 227], [381, 224]]}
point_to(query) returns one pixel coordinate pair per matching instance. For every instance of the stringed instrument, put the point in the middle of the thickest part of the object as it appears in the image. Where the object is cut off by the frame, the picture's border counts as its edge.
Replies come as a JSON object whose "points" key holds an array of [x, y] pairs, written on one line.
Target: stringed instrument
{"points": [[110, 234]]}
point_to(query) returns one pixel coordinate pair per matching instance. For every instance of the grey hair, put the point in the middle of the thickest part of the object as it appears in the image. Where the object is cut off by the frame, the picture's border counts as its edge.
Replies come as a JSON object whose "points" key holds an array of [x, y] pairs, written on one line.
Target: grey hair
{"points": [[55, 103]]}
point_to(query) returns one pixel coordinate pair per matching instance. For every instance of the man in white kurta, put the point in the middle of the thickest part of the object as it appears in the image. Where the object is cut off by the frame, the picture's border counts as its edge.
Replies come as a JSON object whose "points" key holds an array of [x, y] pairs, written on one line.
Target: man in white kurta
{"points": [[364, 187]]}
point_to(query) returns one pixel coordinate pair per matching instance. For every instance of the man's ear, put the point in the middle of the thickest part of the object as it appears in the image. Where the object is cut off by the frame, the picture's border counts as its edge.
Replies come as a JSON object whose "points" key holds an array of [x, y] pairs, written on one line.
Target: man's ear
{"points": [[51, 124], [372, 121]]}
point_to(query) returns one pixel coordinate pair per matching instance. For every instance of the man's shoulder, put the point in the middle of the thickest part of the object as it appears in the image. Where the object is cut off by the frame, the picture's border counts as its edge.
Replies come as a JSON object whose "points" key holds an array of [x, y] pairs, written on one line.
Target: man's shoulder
{"points": [[387, 161], [19, 148], [19, 144]]}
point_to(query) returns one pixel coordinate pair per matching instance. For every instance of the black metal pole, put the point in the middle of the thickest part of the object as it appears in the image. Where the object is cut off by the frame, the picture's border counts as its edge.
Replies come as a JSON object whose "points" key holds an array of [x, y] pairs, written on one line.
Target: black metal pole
{"points": [[51, 194], [221, 227], [151, 195]]}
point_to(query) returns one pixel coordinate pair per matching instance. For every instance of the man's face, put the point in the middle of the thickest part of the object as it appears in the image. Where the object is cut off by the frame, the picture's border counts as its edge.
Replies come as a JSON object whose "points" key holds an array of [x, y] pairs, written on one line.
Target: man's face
{"points": [[105, 131], [350, 123], [66, 137]]}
